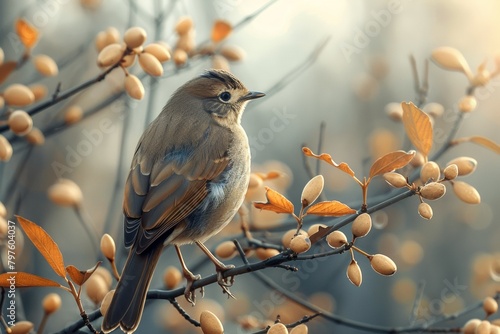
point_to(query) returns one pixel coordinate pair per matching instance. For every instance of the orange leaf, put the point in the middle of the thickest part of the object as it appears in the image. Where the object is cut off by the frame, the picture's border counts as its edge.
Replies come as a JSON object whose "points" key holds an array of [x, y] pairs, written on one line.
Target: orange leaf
{"points": [[390, 162], [220, 30], [328, 158], [27, 33], [45, 245], [330, 208], [6, 69], [418, 127], [25, 280], [81, 276], [275, 202], [485, 142]]}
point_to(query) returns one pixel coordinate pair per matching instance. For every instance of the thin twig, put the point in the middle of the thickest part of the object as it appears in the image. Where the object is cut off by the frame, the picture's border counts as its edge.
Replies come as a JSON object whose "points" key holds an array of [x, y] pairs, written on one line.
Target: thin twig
{"points": [[182, 312]]}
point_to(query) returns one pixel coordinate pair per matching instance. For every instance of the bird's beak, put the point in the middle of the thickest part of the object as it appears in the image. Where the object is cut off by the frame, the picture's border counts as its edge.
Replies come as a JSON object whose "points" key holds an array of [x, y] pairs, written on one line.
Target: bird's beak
{"points": [[251, 96]]}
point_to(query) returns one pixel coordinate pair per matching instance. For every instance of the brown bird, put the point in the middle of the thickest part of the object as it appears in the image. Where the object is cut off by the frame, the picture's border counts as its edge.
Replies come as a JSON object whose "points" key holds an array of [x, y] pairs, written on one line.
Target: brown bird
{"points": [[187, 180]]}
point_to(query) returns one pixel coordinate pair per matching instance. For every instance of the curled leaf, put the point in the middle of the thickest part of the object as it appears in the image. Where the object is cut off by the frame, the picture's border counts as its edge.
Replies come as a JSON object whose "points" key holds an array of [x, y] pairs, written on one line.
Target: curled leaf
{"points": [[327, 158], [485, 142], [25, 280], [6, 69], [45, 245], [390, 162], [275, 202], [418, 127], [27, 33], [81, 276], [330, 208]]}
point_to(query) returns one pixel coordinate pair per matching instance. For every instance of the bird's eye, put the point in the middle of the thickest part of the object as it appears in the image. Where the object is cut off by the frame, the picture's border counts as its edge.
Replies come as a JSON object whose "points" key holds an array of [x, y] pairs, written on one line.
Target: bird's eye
{"points": [[225, 96]]}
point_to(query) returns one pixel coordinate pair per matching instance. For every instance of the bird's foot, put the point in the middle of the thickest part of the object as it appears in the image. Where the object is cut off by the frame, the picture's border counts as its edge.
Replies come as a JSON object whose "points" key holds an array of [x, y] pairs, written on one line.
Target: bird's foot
{"points": [[189, 292], [225, 282]]}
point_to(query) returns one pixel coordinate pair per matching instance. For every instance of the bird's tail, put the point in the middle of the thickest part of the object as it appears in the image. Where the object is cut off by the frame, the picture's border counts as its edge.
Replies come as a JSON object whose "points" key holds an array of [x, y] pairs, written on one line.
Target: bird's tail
{"points": [[128, 301]]}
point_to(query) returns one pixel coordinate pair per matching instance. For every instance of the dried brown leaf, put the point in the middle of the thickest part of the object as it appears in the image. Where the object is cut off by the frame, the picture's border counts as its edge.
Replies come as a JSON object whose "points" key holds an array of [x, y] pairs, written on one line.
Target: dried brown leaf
{"points": [[45, 245], [25, 280], [81, 276], [485, 142], [6, 69], [390, 162], [418, 127], [275, 202], [27, 33], [327, 158], [330, 208], [220, 30]]}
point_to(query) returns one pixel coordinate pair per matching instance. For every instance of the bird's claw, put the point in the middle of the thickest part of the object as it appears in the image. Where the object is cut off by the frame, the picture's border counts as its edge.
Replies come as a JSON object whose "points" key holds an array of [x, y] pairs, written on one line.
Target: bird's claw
{"points": [[189, 292], [225, 282]]}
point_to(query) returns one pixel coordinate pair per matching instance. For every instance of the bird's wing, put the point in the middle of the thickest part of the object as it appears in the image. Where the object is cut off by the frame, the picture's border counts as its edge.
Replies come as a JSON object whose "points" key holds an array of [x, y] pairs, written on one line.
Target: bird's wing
{"points": [[160, 194]]}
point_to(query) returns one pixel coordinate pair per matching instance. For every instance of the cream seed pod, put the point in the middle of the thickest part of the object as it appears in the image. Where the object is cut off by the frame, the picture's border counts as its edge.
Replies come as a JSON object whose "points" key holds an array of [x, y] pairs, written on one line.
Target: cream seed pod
{"points": [[20, 122], [210, 323], [383, 264], [184, 25], [484, 327], [465, 165], [354, 273], [180, 57], [108, 248], [220, 63], [430, 172], [2, 102], [288, 236], [300, 244], [434, 109], [73, 114], [226, 250], [159, 51], [5, 149], [395, 179], [35, 137], [336, 239], [425, 210], [45, 65], [450, 172], [96, 289], [134, 37], [418, 160], [106, 301], [51, 303], [265, 253], [186, 42], [150, 64], [3, 227], [39, 91], [110, 55], [490, 306], [2, 56], [3, 210], [466, 192], [112, 35], [65, 193], [300, 329], [394, 111], [232, 52], [105, 274], [467, 103], [277, 328], [172, 277], [312, 190], [470, 326], [129, 60], [315, 228], [22, 327], [451, 59], [100, 41], [134, 87], [362, 225], [433, 191], [18, 95]]}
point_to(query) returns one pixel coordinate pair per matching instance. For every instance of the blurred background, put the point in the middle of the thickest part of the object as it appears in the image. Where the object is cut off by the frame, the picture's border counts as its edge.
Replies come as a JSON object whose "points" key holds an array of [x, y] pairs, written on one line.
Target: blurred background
{"points": [[337, 62]]}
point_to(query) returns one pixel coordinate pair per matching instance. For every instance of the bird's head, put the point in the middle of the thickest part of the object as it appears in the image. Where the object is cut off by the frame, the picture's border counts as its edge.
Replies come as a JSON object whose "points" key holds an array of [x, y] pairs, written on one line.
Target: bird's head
{"points": [[222, 95]]}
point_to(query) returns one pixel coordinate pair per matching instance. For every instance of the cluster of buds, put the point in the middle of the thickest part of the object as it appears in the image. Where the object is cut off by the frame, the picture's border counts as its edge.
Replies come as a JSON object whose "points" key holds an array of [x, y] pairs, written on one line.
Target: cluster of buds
{"points": [[113, 52], [360, 227], [432, 179], [279, 328], [478, 326]]}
